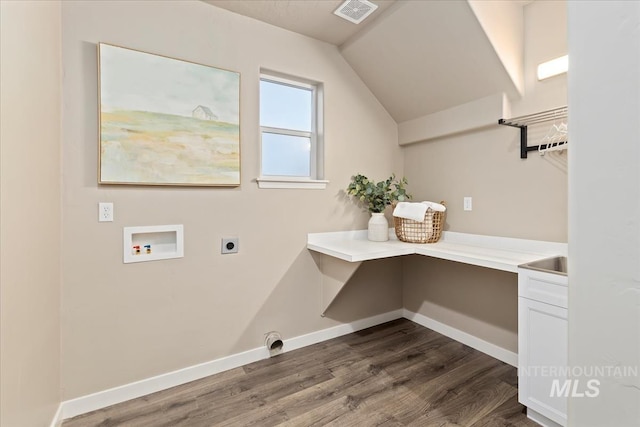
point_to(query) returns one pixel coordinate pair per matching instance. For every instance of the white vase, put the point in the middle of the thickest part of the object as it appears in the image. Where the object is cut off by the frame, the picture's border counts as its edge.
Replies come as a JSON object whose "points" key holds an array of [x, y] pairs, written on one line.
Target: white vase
{"points": [[378, 227]]}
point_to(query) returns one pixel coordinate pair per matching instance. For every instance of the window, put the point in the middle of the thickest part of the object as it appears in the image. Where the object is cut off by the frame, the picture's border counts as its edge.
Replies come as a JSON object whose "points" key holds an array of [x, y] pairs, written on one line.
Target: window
{"points": [[290, 133]]}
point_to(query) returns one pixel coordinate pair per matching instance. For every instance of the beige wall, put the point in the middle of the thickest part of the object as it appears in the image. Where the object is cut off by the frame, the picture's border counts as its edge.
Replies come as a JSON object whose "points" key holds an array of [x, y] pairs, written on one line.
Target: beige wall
{"points": [[123, 323], [479, 301], [545, 38], [511, 197], [30, 212]]}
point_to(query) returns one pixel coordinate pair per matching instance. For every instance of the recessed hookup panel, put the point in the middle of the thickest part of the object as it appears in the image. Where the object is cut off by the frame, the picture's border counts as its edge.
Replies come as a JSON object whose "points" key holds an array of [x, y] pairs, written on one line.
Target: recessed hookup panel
{"points": [[153, 243]]}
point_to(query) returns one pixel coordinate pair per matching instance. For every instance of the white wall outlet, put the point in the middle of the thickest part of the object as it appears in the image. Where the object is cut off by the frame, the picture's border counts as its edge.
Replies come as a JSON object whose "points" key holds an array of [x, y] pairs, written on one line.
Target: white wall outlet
{"points": [[468, 206], [230, 245], [105, 212]]}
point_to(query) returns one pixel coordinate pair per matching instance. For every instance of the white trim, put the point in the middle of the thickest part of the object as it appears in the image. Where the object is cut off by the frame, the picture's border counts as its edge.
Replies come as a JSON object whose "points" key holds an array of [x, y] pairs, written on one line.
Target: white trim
{"points": [[465, 338], [340, 330], [541, 419], [287, 132], [57, 417], [284, 182], [99, 400], [283, 79], [102, 399], [315, 134]]}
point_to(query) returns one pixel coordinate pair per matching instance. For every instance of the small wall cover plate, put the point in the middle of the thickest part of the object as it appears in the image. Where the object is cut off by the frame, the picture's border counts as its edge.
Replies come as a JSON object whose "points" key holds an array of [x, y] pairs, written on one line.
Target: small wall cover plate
{"points": [[230, 245]]}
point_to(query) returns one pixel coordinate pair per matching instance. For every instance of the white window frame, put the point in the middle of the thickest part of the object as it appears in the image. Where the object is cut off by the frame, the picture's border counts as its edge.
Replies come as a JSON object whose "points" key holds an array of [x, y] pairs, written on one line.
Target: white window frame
{"points": [[316, 136]]}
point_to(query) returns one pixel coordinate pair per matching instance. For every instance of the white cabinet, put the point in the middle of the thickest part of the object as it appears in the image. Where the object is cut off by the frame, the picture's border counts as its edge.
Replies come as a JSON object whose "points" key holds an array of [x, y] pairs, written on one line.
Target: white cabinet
{"points": [[542, 345]]}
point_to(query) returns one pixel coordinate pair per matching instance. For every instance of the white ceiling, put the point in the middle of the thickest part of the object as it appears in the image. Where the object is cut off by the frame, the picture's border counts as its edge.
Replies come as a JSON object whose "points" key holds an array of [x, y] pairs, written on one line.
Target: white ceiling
{"points": [[416, 56], [427, 56], [313, 18]]}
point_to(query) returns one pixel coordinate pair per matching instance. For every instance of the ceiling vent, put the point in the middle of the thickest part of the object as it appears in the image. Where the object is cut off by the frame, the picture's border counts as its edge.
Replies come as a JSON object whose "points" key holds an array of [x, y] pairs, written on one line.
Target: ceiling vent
{"points": [[355, 10]]}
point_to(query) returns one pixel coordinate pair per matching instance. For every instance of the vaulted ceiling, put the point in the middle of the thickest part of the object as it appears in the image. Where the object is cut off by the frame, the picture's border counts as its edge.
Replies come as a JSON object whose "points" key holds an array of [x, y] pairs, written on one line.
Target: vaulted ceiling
{"points": [[417, 57], [313, 18]]}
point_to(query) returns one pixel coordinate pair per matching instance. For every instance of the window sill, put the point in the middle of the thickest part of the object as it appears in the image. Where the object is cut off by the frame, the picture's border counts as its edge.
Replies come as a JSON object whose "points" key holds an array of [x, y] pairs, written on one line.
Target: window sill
{"points": [[279, 182]]}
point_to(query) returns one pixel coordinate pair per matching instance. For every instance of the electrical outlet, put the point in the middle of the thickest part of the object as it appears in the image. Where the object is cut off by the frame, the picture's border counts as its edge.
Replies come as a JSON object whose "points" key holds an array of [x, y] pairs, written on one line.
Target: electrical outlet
{"points": [[468, 206], [105, 212], [230, 245]]}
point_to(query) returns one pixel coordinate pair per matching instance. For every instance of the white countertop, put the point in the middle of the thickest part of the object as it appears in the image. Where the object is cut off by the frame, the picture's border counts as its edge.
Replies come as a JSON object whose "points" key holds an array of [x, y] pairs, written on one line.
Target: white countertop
{"points": [[500, 253]]}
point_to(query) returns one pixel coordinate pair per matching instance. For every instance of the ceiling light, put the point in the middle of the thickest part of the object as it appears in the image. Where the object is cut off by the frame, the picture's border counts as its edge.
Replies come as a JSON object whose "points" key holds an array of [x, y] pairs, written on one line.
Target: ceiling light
{"points": [[355, 10], [553, 67]]}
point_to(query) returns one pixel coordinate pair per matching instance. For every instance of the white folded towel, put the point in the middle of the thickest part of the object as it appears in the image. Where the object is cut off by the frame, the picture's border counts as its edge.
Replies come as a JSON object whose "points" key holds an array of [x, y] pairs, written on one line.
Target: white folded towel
{"points": [[436, 206], [408, 210]]}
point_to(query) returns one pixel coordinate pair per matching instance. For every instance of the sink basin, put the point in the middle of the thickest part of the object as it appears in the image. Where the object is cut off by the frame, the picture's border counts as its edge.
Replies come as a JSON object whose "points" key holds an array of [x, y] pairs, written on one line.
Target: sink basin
{"points": [[555, 265]]}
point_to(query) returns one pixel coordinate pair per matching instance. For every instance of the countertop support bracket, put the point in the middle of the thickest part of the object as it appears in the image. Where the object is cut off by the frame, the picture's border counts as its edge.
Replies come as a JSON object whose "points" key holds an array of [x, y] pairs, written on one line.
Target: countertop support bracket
{"points": [[335, 275]]}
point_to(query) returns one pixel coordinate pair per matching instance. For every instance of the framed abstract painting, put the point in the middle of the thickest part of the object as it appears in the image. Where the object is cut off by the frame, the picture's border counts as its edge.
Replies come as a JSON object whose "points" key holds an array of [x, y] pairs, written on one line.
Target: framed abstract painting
{"points": [[165, 121]]}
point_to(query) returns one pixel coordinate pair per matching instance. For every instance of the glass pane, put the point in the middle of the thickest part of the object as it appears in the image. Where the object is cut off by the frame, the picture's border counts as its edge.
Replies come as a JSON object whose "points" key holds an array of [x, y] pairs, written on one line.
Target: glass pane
{"points": [[285, 155], [285, 107]]}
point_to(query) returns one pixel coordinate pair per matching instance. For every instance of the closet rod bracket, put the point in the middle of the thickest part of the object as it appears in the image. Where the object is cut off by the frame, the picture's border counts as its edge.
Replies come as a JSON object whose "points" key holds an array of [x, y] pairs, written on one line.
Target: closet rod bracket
{"points": [[523, 122]]}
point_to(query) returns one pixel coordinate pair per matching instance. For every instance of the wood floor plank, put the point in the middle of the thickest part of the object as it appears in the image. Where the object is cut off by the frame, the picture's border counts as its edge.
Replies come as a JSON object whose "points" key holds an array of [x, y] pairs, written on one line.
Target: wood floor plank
{"points": [[467, 407], [259, 396], [127, 413], [395, 374], [310, 399], [341, 386], [509, 414]]}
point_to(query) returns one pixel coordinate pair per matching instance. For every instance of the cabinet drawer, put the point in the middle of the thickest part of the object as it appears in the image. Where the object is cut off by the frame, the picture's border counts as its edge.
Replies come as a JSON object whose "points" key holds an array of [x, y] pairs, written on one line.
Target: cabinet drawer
{"points": [[544, 287]]}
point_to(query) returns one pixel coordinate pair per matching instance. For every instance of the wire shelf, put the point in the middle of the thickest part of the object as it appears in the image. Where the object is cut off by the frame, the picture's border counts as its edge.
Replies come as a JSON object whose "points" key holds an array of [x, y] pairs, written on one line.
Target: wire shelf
{"points": [[522, 122]]}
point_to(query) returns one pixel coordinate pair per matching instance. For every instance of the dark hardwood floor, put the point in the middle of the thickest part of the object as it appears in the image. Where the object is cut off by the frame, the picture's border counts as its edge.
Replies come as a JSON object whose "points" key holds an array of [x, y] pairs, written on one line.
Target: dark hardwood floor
{"points": [[395, 374]]}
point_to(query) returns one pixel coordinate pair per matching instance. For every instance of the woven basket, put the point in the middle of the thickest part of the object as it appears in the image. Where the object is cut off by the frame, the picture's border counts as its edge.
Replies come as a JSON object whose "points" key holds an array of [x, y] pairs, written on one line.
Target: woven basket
{"points": [[427, 231]]}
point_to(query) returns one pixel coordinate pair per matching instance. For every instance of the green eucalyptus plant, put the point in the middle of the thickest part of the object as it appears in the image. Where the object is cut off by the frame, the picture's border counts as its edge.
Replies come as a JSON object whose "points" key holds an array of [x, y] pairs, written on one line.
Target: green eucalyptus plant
{"points": [[376, 196]]}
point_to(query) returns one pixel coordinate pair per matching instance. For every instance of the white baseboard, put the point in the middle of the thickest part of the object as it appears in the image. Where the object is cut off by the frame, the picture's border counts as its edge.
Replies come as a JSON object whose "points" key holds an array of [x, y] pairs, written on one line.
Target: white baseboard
{"points": [[340, 330], [102, 399], [465, 338], [57, 418], [541, 419]]}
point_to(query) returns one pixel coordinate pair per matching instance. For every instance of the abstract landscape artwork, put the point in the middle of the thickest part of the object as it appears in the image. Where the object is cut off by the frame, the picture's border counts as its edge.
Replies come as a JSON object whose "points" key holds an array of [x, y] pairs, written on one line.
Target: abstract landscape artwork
{"points": [[165, 121]]}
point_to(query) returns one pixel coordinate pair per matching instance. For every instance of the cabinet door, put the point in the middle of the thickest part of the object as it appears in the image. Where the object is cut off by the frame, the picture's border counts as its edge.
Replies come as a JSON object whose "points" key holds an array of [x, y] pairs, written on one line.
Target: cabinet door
{"points": [[542, 357]]}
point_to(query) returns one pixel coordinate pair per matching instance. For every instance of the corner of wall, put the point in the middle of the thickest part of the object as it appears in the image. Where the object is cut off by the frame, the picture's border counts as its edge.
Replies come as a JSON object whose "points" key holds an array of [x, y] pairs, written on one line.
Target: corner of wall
{"points": [[30, 286]]}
